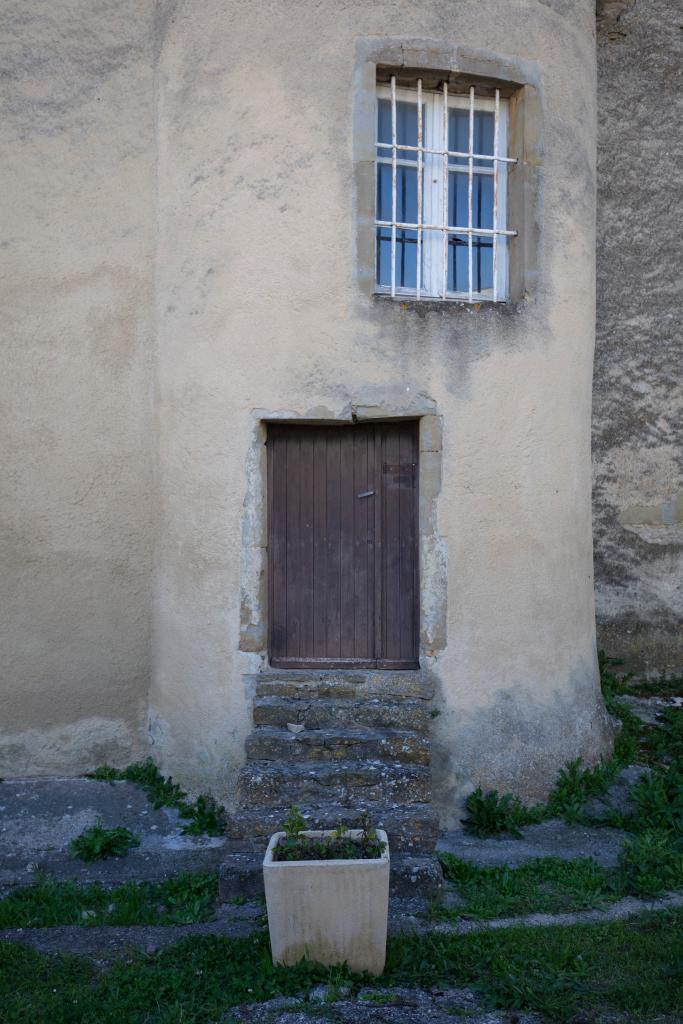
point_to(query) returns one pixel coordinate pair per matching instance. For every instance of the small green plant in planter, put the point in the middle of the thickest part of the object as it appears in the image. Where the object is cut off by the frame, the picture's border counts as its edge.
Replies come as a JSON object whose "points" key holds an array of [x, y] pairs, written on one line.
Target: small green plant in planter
{"points": [[340, 844], [327, 894], [97, 843]]}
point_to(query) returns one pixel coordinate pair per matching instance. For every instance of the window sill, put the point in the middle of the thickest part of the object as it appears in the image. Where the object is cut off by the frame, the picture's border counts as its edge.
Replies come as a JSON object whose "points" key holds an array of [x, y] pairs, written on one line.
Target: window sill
{"points": [[450, 306]]}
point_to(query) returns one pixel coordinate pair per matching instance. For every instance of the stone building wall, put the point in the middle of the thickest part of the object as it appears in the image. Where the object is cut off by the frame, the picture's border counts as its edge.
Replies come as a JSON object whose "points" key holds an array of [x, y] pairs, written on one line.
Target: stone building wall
{"points": [[266, 132], [152, 151], [638, 383], [77, 268]]}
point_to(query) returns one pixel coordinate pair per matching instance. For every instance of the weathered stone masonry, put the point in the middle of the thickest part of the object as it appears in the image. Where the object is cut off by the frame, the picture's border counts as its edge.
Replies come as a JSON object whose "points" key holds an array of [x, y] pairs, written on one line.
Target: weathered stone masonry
{"points": [[638, 381]]}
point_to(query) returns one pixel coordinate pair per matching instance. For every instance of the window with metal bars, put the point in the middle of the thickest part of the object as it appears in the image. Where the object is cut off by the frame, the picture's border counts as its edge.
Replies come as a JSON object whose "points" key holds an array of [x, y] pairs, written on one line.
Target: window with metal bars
{"points": [[441, 199]]}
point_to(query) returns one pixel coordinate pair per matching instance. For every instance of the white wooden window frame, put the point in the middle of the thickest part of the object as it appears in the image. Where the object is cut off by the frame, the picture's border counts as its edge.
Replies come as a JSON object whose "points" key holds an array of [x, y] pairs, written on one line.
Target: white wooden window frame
{"points": [[432, 164]]}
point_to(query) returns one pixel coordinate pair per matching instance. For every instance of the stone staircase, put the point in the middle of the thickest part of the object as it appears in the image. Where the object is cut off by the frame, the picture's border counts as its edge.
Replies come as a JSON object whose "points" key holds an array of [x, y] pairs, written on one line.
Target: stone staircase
{"points": [[337, 744]]}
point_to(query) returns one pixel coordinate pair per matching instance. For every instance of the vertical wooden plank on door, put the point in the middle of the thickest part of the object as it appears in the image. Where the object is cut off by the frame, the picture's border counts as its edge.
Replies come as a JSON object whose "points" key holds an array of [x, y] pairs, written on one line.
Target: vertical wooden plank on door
{"points": [[333, 583], [292, 543], [319, 543], [347, 499], [378, 568], [391, 531], [270, 532], [306, 549], [363, 507]]}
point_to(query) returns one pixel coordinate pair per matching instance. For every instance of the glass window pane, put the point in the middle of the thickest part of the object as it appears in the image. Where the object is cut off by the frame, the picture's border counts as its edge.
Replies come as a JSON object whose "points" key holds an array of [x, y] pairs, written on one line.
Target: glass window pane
{"points": [[383, 192], [482, 200], [406, 193], [459, 133], [483, 132], [406, 258], [383, 256], [406, 127], [482, 263], [457, 199], [457, 263]]}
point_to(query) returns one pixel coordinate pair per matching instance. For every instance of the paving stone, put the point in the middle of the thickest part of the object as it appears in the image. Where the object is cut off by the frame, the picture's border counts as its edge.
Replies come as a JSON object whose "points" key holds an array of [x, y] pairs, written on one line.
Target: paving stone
{"points": [[618, 797], [39, 818], [649, 709], [549, 839], [379, 1006], [415, 876]]}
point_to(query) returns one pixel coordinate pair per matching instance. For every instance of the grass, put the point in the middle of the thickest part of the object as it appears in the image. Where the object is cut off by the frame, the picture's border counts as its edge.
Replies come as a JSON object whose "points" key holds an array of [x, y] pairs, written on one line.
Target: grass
{"points": [[544, 885], [204, 816], [649, 866], [98, 843], [629, 966], [182, 899]]}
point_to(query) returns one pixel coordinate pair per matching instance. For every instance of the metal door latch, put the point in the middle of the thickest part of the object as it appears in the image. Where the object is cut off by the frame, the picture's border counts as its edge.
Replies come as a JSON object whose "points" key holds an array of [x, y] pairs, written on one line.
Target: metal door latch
{"points": [[365, 494]]}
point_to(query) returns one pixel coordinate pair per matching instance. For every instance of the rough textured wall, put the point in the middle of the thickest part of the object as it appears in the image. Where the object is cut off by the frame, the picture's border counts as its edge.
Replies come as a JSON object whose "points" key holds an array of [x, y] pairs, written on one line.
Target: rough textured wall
{"points": [[261, 313], [77, 274], [638, 385]]}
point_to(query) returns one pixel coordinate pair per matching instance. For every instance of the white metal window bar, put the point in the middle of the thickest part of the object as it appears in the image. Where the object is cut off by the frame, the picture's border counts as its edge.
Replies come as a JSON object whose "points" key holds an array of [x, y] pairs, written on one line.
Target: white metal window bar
{"points": [[434, 163]]}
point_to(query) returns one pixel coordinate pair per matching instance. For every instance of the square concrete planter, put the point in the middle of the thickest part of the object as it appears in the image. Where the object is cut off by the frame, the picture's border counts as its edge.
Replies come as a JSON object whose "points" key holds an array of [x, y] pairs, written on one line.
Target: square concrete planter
{"points": [[330, 911]]}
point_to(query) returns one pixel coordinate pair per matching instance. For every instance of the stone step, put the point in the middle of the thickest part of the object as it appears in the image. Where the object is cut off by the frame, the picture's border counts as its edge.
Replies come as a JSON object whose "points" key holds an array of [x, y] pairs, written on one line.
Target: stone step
{"points": [[321, 713], [241, 876], [348, 783], [392, 686], [337, 744], [412, 829]]}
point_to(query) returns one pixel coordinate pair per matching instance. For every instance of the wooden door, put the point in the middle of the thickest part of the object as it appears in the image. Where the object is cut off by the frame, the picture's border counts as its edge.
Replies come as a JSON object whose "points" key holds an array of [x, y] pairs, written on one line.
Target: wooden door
{"points": [[343, 546]]}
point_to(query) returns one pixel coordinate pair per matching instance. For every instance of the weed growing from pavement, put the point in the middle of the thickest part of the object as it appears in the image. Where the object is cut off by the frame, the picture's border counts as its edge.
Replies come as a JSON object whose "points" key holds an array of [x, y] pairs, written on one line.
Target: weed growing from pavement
{"points": [[183, 899], [651, 864], [620, 967], [205, 816], [98, 843]]}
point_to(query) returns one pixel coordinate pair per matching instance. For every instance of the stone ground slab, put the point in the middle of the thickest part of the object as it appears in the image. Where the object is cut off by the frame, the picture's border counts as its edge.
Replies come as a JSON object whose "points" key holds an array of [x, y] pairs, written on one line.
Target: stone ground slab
{"points": [[378, 1006], [618, 797], [103, 943], [39, 817], [552, 838], [107, 942], [648, 709]]}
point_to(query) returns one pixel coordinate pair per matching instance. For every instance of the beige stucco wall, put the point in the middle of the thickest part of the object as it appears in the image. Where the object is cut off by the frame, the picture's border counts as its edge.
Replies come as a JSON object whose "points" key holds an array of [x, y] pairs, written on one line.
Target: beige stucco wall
{"points": [[260, 307], [181, 219], [77, 201]]}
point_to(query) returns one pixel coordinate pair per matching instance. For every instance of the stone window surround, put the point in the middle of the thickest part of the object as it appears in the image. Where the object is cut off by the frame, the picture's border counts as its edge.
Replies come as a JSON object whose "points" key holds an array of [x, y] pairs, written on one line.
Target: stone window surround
{"points": [[254, 564], [518, 80]]}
